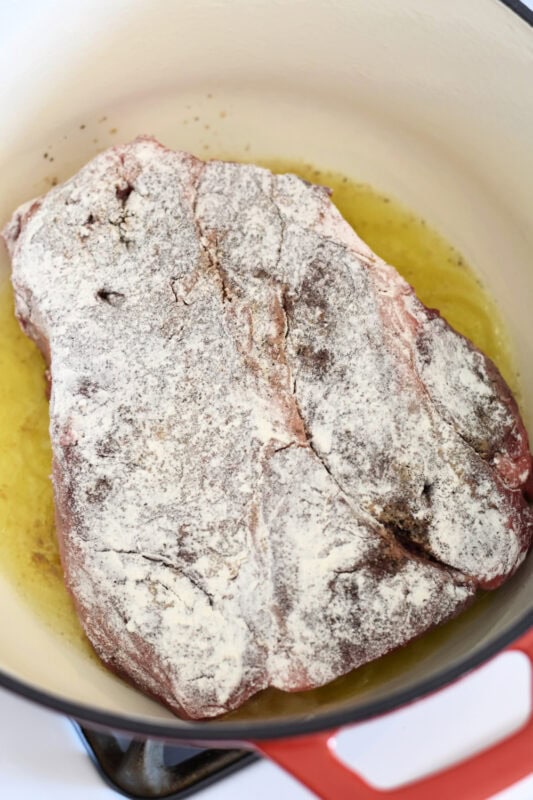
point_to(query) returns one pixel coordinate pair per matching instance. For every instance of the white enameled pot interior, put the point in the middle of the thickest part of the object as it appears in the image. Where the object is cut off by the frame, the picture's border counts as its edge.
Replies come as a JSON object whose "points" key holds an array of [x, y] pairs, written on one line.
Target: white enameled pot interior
{"points": [[429, 101]]}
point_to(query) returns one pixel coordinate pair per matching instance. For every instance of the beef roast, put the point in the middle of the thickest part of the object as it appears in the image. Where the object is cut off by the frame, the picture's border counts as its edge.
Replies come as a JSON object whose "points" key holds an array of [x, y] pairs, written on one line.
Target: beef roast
{"points": [[271, 462]]}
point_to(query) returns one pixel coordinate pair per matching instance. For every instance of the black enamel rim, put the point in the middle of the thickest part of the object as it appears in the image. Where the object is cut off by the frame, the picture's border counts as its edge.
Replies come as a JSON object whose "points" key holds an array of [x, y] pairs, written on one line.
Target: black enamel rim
{"points": [[520, 9], [242, 732]]}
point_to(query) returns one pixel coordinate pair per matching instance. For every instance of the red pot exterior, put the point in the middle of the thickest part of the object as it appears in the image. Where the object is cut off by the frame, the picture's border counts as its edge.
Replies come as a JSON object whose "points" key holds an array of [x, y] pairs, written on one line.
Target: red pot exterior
{"points": [[312, 760]]}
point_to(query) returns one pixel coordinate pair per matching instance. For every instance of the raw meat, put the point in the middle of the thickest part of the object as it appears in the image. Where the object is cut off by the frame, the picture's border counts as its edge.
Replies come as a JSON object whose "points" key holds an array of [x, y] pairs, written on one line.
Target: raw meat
{"points": [[272, 463]]}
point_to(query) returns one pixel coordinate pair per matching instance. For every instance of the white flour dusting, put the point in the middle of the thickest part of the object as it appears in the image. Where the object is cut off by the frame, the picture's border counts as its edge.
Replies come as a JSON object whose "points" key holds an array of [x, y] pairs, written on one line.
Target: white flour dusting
{"points": [[255, 424]]}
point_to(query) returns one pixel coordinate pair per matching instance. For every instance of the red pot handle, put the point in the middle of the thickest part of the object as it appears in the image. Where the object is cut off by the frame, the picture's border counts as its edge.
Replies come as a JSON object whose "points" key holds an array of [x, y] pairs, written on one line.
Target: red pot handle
{"points": [[312, 760]]}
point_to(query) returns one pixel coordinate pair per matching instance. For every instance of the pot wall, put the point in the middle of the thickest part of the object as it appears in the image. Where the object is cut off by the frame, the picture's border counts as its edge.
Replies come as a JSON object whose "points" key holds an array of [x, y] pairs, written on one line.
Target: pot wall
{"points": [[429, 101]]}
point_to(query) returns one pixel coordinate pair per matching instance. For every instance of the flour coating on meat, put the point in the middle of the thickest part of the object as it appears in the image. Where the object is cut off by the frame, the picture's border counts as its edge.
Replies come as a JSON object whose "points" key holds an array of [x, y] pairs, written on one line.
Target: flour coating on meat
{"points": [[272, 463]]}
